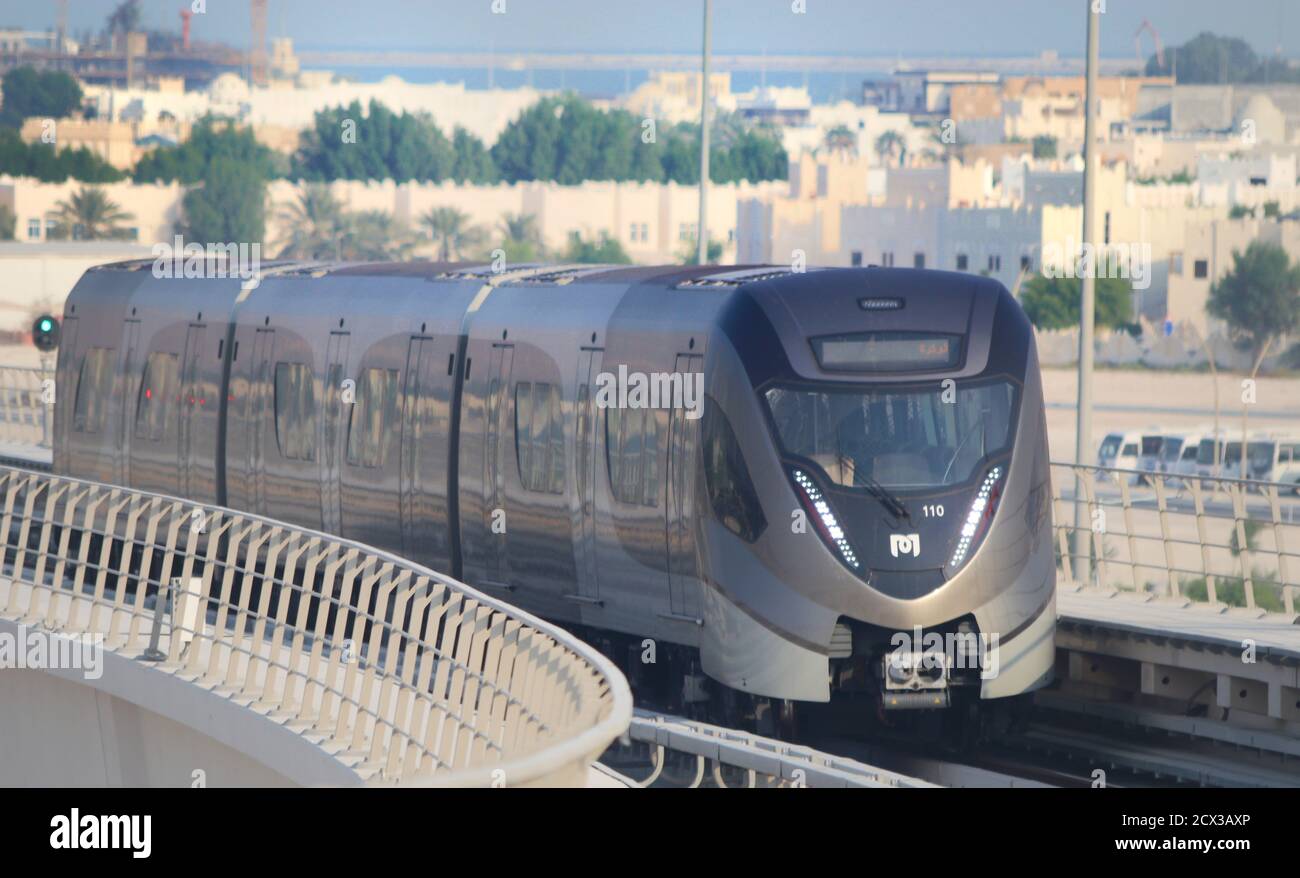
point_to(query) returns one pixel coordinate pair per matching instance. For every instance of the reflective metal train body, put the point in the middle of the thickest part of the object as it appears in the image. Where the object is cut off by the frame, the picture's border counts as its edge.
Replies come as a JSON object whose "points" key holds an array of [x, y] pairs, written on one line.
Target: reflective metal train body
{"points": [[869, 456]]}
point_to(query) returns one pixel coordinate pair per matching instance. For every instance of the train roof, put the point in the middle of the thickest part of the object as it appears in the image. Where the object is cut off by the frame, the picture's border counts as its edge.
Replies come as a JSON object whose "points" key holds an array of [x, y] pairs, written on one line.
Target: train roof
{"points": [[682, 277]]}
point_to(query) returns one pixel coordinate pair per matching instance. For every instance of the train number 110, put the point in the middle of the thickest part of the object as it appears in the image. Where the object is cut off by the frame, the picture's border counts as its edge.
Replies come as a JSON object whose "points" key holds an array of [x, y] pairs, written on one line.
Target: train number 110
{"points": [[932, 510]]}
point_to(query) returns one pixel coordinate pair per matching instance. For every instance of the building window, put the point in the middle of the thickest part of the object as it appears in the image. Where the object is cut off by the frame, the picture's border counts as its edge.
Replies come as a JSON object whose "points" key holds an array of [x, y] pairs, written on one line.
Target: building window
{"points": [[631, 235], [33, 230], [995, 262], [855, 258], [539, 437], [374, 418], [94, 388], [632, 453], [1176, 262], [962, 262], [1201, 268], [645, 232], [295, 411], [1105, 235], [1026, 263], [918, 260], [158, 388], [887, 260]]}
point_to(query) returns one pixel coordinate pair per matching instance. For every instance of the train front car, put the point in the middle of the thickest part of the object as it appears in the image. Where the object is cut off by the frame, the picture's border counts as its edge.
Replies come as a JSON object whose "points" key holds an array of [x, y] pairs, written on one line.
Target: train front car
{"points": [[875, 457]]}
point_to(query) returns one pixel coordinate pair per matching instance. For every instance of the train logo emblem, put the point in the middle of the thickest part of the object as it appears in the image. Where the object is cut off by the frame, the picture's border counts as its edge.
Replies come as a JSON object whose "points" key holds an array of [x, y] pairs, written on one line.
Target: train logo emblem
{"points": [[905, 544]]}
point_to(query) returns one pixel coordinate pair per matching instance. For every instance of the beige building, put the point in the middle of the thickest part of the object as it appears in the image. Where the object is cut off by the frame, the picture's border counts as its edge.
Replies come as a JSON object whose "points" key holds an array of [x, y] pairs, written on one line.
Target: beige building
{"points": [[114, 142]]}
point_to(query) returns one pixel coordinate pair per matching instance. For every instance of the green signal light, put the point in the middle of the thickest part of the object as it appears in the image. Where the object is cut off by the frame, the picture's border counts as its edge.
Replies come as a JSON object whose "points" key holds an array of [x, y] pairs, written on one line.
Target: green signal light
{"points": [[47, 325]]}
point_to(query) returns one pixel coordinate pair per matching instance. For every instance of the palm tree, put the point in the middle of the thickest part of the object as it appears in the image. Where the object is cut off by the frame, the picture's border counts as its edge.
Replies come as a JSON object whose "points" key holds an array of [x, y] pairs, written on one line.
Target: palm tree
{"points": [[521, 240], [890, 145], [89, 215], [841, 139], [451, 230], [313, 225], [375, 235]]}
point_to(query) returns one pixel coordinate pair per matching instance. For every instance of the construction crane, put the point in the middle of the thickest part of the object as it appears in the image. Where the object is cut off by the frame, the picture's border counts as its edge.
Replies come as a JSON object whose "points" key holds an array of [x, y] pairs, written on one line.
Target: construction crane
{"points": [[62, 32], [1155, 38], [257, 60]]}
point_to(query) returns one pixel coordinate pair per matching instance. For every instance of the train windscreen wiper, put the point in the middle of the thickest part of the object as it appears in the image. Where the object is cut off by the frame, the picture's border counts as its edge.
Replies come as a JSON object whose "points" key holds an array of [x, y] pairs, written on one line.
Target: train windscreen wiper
{"points": [[883, 496]]}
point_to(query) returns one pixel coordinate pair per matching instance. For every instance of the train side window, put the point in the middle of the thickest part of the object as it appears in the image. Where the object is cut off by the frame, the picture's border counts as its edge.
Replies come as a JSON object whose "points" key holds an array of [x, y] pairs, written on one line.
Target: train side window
{"points": [[94, 388], [731, 492], [295, 411], [374, 417], [632, 452], [157, 389], [539, 437]]}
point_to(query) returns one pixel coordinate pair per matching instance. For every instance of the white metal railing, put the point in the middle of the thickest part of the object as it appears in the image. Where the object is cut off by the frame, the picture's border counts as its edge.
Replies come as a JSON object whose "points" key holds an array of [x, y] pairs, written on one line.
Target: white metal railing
{"points": [[26, 406], [405, 674], [710, 755], [1227, 541]]}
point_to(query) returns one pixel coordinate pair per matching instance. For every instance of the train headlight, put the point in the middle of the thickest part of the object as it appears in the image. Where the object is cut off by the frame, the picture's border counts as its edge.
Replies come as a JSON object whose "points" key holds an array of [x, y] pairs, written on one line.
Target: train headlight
{"points": [[824, 518], [978, 517]]}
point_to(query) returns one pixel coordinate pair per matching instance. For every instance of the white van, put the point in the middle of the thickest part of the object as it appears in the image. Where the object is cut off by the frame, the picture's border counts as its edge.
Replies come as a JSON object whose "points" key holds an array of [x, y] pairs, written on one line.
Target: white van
{"points": [[1270, 457], [1120, 450]]}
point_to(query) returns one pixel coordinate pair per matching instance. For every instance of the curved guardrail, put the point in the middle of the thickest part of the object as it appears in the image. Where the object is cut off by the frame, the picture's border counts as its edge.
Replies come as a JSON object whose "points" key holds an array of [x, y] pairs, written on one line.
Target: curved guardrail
{"points": [[26, 406], [407, 676]]}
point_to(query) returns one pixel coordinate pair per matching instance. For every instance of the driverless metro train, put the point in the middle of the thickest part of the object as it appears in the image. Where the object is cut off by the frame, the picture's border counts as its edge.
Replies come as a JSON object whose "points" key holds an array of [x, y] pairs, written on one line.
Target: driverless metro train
{"points": [[835, 459]]}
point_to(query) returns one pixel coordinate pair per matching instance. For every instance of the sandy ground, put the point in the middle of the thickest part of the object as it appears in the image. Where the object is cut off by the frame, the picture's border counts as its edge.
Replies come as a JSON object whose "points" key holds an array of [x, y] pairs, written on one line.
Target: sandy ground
{"points": [[1134, 399]]}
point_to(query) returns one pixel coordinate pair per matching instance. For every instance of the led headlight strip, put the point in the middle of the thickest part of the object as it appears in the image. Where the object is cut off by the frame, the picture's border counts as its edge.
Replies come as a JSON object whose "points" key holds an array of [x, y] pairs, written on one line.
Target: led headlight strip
{"points": [[981, 513], [824, 518]]}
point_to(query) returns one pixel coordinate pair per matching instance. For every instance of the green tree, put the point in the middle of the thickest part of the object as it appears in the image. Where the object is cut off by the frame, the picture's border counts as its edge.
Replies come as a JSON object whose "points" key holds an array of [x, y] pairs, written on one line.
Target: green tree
{"points": [[604, 250], [567, 140], [1045, 147], [452, 232], [689, 254], [227, 206], [841, 139], [891, 147], [520, 238], [89, 215], [471, 161], [210, 139], [27, 92], [1209, 58], [7, 223], [1259, 298], [375, 235], [349, 143], [1053, 302], [313, 225]]}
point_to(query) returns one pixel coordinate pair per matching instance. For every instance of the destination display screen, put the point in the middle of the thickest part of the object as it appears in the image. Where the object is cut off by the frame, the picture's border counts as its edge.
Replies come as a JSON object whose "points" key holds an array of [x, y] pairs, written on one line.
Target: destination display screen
{"points": [[888, 351]]}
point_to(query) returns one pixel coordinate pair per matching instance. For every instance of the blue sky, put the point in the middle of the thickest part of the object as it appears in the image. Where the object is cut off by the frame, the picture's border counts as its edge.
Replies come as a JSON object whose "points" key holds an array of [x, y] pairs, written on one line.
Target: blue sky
{"points": [[873, 27]]}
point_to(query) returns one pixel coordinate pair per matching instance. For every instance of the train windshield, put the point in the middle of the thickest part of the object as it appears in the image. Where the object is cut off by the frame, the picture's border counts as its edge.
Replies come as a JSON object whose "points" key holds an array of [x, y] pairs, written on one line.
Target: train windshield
{"points": [[897, 438]]}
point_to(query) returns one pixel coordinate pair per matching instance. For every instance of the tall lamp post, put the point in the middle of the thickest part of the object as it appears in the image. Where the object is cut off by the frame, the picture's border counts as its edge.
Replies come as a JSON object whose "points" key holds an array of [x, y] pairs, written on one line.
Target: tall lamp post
{"points": [[702, 234], [1083, 452]]}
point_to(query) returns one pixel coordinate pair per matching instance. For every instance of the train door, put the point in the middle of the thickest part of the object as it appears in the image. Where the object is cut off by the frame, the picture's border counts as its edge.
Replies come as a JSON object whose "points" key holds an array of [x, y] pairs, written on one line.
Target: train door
{"points": [[587, 420], [259, 409], [683, 436], [192, 400], [419, 539], [129, 374], [333, 429], [67, 370], [494, 462]]}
